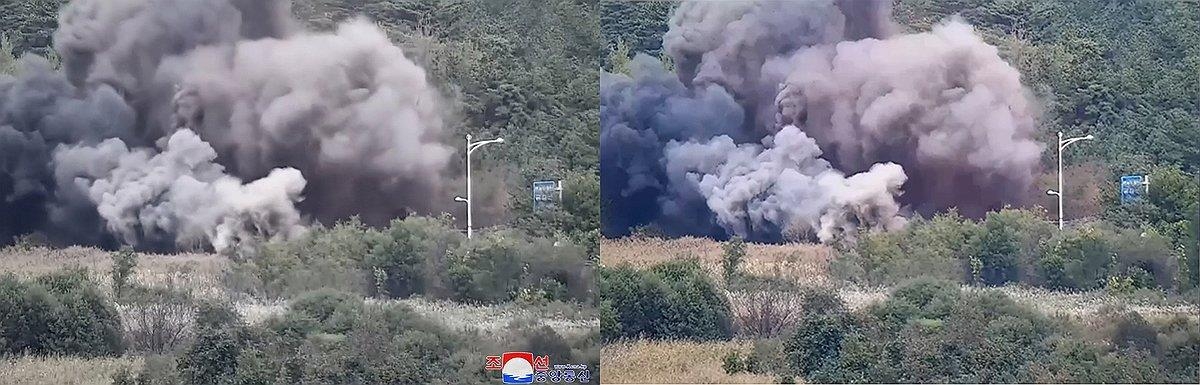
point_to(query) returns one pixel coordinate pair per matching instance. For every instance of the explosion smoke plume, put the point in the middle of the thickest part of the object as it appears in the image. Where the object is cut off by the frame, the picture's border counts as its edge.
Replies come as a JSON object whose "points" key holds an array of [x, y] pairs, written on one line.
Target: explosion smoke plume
{"points": [[810, 118], [208, 122]]}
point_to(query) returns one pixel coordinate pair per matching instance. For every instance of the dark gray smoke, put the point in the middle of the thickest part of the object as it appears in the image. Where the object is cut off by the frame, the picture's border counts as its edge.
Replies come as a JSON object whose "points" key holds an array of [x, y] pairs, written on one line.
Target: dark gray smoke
{"points": [[359, 119], [840, 123], [942, 104], [182, 123]]}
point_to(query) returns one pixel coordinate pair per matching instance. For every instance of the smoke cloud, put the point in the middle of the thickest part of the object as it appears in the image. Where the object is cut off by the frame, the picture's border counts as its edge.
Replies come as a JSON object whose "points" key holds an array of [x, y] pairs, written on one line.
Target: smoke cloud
{"points": [[940, 103], [810, 119], [783, 186], [205, 123], [177, 194]]}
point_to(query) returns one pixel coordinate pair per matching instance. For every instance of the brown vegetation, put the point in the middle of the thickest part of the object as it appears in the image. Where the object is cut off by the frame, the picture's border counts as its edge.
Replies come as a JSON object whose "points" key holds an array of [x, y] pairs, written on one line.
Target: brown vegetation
{"points": [[672, 362], [30, 370], [802, 262]]}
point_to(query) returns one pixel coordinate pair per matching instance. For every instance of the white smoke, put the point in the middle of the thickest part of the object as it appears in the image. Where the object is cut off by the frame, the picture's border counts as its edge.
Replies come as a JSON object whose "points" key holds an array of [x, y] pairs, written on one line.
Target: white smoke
{"points": [[784, 185], [180, 193]]}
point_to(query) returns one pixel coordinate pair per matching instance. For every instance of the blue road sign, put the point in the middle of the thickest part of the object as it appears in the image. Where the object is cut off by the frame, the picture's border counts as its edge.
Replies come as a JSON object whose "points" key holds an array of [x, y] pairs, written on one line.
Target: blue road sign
{"points": [[546, 193], [1132, 188]]}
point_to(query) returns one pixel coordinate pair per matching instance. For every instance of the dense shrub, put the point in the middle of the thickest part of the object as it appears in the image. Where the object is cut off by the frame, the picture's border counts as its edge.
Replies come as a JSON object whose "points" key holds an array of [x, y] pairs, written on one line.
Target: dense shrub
{"points": [[1007, 246], [420, 255], [1071, 360], [1131, 331], [555, 271], [930, 331], [60, 313], [817, 342], [1020, 246], [220, 338], [1091, 256], [674, 300], [486, 271], [408, 255], [925, 248], [328, 337]]}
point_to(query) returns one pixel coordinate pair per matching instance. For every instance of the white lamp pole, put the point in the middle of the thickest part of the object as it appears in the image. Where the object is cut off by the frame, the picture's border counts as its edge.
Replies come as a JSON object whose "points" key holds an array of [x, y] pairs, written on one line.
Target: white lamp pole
{"points": [[471, 147], [1062, 144]]}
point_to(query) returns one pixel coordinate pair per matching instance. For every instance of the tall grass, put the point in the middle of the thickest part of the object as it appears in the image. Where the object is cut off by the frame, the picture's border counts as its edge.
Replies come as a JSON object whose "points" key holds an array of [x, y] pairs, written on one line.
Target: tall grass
{"points": [[198, 273], [30, 370], [672, 362], [806, 263]]}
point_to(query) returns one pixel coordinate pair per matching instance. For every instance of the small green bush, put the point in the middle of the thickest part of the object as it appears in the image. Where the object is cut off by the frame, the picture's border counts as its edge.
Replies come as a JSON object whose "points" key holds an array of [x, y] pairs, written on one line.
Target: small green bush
{"points": [[998, 249], [322, 304], [733, 252], [213, 355], [487, 270], [60, 313], [1079, 260], [674, 300], [733, 363], [404, 255], [817, 344], [123, 264]]}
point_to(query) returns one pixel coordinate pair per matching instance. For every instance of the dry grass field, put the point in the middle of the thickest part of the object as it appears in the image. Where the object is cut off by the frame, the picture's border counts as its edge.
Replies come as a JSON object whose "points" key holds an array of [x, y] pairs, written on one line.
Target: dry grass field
{"points": [[672, 362], [63, 370], [808, 263], [199, 273]]}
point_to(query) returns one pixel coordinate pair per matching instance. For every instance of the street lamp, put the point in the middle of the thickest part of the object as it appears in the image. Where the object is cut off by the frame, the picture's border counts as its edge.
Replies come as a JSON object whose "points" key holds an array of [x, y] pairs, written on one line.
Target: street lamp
{"points": [[1062, 144], [471, 147]]}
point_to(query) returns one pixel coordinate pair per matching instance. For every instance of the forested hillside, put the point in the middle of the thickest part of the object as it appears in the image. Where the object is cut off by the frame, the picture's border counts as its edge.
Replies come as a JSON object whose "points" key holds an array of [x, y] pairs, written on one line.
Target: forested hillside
{"points": [[523, 70], [1125, 71]]}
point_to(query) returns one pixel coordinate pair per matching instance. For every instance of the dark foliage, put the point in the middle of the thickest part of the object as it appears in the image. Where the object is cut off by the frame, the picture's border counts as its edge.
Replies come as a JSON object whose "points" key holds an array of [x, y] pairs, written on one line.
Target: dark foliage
{"points": [[674, 300], [61, 313], [930, 331]]}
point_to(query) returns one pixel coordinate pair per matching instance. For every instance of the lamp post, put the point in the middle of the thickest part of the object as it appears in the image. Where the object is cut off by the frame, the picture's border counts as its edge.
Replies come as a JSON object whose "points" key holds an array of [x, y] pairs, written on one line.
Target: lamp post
{"points": [[471, 147], [1062, 144]]}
